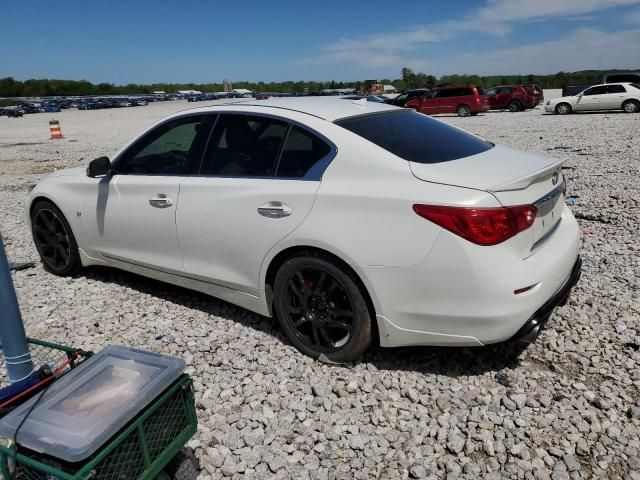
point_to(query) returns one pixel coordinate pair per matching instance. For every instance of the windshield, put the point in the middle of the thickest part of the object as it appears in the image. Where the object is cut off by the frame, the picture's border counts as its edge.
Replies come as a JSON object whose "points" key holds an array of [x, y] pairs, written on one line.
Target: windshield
{"points": [[415, 137]]}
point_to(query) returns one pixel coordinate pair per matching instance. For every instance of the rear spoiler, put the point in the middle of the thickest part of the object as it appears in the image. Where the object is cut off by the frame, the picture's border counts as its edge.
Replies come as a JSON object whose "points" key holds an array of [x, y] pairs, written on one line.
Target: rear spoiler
{"points": [[523, 182]]}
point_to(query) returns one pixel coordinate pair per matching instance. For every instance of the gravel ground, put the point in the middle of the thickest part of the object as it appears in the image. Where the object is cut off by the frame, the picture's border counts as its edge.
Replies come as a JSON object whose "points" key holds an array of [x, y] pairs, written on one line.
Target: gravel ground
{"points": [[567, 407]]}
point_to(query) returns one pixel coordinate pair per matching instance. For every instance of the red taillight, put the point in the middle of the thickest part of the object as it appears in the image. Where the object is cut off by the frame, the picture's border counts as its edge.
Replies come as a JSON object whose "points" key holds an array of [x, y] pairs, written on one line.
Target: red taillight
{"points": [[482, 226]]}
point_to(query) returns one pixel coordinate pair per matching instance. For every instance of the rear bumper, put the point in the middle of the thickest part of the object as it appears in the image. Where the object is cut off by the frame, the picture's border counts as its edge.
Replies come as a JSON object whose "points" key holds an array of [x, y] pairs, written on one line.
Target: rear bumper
{"points": [[464, 294], [529, 331]]}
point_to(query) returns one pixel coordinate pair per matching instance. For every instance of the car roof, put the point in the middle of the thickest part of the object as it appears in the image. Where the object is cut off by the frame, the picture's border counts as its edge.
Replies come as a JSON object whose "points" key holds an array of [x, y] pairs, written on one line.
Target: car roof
{"points": [[327, 108], [612, 83]]}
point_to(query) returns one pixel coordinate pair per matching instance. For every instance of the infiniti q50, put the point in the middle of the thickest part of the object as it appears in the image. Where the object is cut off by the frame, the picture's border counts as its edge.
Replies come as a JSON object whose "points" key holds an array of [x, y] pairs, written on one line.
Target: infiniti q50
{"points": [[351, 222]]}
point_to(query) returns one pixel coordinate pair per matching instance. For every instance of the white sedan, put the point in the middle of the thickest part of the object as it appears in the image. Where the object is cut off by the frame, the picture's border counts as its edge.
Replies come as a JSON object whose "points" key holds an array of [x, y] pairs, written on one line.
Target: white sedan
{"points": [[610, 96], [351, 222]]}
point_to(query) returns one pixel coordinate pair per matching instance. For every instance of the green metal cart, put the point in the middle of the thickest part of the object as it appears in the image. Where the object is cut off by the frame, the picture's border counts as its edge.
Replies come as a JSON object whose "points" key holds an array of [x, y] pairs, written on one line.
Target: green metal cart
{"points": [[139, 451]]}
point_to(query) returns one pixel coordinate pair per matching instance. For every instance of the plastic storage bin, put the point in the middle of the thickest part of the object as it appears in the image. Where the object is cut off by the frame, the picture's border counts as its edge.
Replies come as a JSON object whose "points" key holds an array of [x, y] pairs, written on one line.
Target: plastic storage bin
{"points": [[80, 412]]}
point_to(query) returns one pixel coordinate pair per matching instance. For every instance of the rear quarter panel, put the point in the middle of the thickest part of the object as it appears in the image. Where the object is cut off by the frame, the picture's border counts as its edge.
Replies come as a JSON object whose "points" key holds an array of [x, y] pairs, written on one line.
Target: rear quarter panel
{"points": [[363, 209]]}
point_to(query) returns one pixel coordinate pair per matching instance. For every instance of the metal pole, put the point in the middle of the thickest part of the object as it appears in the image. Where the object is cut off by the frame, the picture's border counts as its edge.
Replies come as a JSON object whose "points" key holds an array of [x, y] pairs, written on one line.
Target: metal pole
{"points": [[13, 339]]}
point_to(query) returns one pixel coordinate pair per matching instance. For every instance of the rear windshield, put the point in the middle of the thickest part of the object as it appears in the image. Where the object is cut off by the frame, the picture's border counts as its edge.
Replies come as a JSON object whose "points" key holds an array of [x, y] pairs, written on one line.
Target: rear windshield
{"points": [[636, 85], [415, 137]]}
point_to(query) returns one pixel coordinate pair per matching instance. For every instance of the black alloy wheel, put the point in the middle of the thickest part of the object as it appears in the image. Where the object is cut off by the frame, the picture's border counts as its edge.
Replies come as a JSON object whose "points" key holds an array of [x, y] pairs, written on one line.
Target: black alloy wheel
{"points": [[322, 309], [54, 241]]}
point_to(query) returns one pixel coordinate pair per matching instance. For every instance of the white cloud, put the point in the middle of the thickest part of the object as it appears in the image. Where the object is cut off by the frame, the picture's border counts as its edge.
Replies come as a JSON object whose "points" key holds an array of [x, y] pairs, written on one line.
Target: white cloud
{"points": [[582, 50], [633, 18], [518, 10], [495, 18]]}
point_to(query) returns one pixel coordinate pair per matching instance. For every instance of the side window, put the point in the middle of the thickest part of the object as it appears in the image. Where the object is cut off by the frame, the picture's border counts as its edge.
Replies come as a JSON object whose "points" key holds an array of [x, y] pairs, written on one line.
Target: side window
{"points": [[616, 89], [444, 93], [465, 92], [505, 90], [163, 151], [244, 146], [301, 152], [596, 90], [492, 91]]}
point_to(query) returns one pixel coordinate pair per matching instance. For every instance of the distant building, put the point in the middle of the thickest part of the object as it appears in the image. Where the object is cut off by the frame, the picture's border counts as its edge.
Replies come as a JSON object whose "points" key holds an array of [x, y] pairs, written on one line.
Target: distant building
{"points": [[189, 92], [389, 89], [159, 92], [227, 86]]}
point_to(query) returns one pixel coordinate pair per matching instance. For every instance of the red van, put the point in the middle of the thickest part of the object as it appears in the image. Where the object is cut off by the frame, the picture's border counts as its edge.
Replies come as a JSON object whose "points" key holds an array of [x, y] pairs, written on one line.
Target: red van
{"points": [[464, 101]]}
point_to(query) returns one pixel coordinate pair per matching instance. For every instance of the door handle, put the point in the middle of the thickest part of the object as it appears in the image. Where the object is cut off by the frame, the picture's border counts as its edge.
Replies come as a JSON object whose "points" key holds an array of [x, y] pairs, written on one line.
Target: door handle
{"points": [[160, 201], [275, 210]]}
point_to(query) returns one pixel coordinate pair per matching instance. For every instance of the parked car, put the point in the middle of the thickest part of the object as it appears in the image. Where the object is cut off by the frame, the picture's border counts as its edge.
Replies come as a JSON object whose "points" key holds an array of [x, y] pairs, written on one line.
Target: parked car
{"points": [[611, 96], [622, 77], [514, 98], [369, 98], [318, 197], [11, 112], [405, 96], [464, 100]]}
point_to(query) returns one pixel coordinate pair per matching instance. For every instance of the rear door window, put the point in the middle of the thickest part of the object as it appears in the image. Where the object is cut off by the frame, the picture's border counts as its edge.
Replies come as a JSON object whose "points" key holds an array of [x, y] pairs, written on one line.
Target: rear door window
{"points": [[616, 89], [415, 137], [244, 146], [302, 150]]}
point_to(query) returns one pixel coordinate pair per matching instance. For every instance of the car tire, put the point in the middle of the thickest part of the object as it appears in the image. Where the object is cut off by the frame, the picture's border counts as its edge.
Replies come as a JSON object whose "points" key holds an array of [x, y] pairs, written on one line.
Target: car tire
{"points": [[463, 110], [54, 240], [514, 106], [631, 106], [322, 309], [563, 108]]}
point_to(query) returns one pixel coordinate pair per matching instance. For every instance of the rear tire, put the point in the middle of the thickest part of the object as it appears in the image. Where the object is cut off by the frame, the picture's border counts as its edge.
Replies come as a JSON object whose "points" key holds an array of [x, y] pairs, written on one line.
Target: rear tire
{"points": [[631, 106], [514, 106], [563, 109], [54, 240], [321, 308], [463, 111]]}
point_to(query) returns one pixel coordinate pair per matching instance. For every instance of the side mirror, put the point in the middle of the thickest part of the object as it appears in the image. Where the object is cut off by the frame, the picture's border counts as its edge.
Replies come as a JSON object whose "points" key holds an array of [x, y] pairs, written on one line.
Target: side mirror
{"points": [[99, 167]]}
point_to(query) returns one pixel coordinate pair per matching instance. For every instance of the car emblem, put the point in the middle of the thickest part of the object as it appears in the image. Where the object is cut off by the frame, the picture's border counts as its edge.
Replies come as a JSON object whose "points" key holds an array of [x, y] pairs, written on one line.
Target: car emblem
{"points": [[554, 178]]}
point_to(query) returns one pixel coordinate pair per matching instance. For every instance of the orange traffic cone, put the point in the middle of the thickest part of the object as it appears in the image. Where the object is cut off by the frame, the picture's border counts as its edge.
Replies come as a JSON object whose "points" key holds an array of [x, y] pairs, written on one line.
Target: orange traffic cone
{"points": [[54, 128]]}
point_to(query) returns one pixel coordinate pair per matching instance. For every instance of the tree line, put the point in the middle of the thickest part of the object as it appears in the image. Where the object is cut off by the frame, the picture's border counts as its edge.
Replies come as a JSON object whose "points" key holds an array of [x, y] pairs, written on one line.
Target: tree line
{"points": [[9, 87]]}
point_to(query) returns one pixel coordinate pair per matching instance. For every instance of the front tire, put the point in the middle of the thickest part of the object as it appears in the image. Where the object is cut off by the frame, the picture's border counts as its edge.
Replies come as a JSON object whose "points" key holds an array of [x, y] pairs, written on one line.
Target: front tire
{"points": [[54, 240], [321, 308], [631, 106], [464, 111], [563, 109]]}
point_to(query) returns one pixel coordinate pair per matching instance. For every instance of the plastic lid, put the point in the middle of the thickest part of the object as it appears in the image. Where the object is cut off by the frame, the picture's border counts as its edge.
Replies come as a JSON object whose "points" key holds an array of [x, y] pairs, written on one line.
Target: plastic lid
{"points": [[80, 412]]}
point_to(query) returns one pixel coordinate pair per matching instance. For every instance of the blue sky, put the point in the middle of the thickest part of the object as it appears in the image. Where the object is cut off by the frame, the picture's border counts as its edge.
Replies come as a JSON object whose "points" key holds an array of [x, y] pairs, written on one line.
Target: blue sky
{"points": [[145, 41]]}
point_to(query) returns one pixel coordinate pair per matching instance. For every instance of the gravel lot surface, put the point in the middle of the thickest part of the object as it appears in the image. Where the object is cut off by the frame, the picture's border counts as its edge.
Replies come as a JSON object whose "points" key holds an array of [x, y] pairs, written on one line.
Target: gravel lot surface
{"points": [[567, 407]]}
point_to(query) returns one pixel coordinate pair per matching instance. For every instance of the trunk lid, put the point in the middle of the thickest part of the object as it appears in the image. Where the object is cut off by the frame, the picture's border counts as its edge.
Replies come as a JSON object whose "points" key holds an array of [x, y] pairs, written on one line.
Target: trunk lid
{"points": [[513, 178]]}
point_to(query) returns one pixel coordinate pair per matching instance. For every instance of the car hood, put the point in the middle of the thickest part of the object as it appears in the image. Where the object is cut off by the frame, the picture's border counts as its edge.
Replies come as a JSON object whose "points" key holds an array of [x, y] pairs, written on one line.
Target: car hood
{"points": [[496, 170], [572, 100], [69, 172]]}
